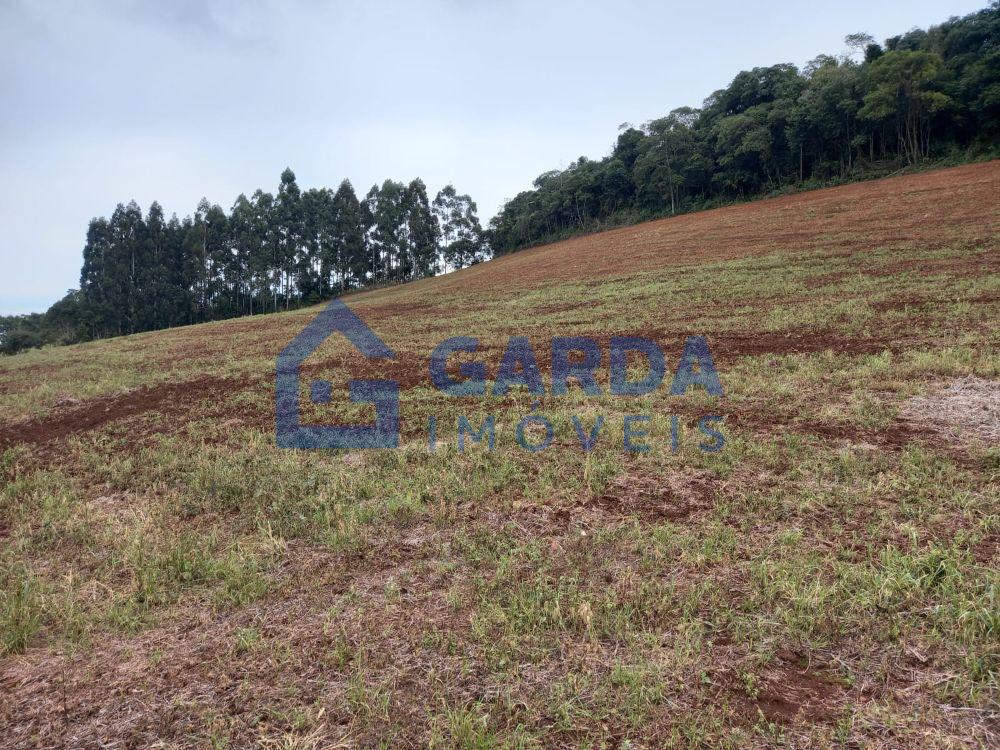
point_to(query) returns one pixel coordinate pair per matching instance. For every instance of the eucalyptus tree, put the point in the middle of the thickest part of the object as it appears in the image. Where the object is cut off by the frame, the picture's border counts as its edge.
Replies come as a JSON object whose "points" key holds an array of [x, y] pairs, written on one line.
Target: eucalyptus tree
{"points": [[347, 238], [462, 240], [288, 216], [421, 232]]}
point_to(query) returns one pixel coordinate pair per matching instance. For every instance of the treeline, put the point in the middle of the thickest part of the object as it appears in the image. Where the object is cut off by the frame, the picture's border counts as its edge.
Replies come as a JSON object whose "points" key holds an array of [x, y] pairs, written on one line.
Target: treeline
{"points": [[269, 252], [923, 95], [58, 325]]}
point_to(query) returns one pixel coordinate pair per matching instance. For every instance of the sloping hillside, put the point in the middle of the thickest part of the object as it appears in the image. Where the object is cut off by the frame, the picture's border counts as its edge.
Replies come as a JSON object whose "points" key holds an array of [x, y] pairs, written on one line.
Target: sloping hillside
{"points": [[168, 575]]}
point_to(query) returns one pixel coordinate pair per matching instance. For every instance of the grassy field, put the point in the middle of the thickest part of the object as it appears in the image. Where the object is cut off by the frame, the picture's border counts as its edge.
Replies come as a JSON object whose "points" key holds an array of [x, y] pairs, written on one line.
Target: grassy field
{"points": [[170, 578]]}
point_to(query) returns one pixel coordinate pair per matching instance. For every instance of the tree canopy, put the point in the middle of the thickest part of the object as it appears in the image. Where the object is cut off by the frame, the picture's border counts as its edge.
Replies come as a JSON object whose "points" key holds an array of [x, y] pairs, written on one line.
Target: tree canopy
{"points": [[927, 94]]}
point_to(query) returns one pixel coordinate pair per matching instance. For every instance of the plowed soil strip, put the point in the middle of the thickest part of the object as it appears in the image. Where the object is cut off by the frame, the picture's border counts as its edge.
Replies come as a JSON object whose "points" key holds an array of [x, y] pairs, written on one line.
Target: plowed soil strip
{"points": [[166, 398]]}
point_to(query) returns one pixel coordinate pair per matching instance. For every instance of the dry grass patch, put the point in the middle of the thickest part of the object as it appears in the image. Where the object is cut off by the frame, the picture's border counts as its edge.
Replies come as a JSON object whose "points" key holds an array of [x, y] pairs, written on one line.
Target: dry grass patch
{"points": [[964, 410]]}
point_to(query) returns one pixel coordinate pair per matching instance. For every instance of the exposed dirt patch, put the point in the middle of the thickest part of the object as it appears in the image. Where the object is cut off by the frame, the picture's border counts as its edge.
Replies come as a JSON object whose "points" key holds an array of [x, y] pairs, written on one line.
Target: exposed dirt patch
{"points": [[965, 410], [895, 437], [673, 496], [790, 692], [889, 213], [987, 551], [82, 416], [805, 342]]}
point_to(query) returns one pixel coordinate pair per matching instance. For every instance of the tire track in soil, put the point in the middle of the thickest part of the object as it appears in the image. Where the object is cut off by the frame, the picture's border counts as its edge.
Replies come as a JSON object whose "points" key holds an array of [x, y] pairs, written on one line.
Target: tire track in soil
{"points": [[166, 398]]}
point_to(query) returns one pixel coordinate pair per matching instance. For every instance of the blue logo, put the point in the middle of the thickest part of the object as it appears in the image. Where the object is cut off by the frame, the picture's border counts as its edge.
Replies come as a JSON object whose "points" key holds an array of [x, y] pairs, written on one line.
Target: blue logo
{"points": [[518, 367], [384, 394]]}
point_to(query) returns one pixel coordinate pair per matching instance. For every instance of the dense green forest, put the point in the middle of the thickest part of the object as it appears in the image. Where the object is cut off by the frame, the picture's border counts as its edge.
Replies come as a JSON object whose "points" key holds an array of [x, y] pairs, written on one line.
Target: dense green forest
{"points": [[923, 96], [927, 96]]}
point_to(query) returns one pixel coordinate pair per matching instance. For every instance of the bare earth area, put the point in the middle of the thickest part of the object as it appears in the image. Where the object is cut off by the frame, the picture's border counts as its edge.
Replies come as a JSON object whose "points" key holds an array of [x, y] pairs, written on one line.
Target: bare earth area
{"points": [[829, 578]]}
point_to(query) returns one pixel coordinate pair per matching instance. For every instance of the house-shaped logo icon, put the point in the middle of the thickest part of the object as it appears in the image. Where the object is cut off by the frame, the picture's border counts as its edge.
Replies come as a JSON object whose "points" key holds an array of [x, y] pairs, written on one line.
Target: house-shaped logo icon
{"points": [[384, 394]]}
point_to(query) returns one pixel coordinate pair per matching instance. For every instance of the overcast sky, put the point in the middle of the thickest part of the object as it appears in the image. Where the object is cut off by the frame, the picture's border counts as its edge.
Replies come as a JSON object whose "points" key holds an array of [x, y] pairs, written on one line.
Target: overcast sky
{"points": [[102, 101]]}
